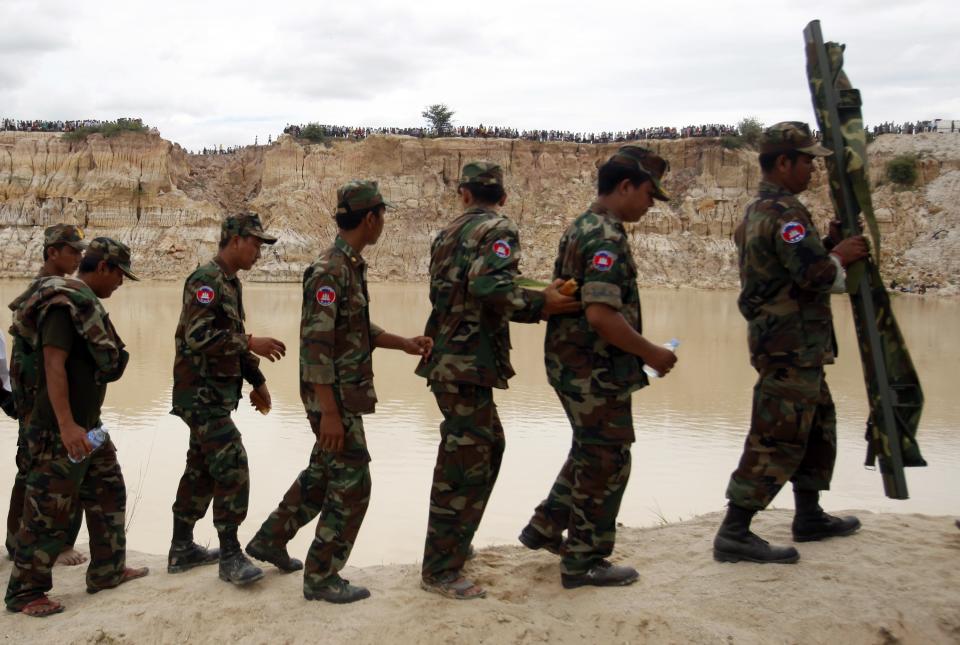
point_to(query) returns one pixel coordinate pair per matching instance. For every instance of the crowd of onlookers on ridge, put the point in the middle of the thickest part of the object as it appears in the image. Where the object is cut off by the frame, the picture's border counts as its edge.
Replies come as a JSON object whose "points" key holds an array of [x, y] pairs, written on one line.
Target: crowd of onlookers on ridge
{"points": [[500, 132], [44, 125]]}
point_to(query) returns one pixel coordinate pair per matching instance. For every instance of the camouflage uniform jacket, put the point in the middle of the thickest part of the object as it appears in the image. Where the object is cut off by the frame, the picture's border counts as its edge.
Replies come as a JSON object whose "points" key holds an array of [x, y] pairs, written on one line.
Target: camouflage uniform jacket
{"points": [[336, 335], [473, 267], [24, 366], [212, 349], [595, 252], [786, 276], [90, 319]]}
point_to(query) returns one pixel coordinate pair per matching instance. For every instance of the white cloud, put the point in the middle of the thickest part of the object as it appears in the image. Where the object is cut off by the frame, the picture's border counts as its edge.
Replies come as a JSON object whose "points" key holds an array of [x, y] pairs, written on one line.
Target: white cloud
{"points": [[221, 72]]}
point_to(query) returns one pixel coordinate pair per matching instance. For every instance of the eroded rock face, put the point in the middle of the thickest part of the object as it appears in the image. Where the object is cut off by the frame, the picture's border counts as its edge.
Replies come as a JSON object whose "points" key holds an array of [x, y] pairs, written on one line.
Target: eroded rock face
{"points": [[167, 204]]}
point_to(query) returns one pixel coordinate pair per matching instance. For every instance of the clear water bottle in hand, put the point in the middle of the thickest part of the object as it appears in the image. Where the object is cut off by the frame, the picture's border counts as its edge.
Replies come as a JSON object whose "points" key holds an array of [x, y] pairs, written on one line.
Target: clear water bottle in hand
{"points": [[97, 437], [672, 345]]}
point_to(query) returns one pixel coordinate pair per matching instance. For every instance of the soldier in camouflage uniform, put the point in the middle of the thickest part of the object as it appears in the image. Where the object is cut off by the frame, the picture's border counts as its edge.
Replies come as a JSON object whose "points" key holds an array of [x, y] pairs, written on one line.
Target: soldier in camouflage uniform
{"points": [[336, 384], [63, 247], [214, 355], [66, 323], [594, 363], [473, 268], [787, 274]]}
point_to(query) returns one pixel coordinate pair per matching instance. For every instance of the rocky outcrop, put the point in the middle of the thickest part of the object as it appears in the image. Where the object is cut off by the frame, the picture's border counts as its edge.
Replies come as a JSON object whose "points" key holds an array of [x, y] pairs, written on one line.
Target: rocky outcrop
{"points": [[167, 204]]}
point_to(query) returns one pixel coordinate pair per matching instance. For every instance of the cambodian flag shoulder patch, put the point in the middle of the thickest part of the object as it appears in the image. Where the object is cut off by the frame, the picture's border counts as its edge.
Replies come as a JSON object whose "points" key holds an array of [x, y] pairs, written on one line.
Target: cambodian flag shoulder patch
{"points": [[603, 260], [326, 296], [501, 249], [206, 295], [793, 232]]}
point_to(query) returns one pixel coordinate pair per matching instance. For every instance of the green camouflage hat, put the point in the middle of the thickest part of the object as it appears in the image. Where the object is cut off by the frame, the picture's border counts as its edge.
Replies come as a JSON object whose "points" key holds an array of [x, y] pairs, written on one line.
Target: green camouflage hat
{"points": [[648, 162], [791, 135], [485, 173], [113, 252], [246, 225], [359, 195], [64, 234]]}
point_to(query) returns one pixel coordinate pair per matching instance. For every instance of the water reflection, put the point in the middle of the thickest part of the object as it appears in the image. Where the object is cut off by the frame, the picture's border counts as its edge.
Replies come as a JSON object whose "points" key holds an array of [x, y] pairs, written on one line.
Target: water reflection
{"points": [[690, 426]]}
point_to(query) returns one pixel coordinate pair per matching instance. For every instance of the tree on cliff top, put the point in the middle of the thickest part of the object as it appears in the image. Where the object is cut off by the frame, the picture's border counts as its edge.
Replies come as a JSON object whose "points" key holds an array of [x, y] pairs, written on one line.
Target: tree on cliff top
{"points": [[440, 118], [750, 129]]}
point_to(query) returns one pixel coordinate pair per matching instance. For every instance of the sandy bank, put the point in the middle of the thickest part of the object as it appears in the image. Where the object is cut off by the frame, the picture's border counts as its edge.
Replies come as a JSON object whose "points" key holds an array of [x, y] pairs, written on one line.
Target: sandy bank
{"points": [[897, 581]]}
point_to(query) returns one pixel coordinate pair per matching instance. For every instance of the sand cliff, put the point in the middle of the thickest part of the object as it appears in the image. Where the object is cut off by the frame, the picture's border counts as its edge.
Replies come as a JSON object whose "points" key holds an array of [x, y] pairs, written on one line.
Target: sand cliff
{"points": [[167, 204]]}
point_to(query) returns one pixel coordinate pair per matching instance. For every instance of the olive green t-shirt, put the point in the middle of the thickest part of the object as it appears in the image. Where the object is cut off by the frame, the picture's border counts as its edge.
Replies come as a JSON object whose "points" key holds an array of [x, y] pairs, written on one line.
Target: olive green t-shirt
{"points": [[86, 396]]}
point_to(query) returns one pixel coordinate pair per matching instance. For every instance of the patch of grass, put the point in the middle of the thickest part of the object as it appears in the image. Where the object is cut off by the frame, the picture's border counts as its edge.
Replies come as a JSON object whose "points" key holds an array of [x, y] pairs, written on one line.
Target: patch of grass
{"points": [[902, 170], [110, 129]]}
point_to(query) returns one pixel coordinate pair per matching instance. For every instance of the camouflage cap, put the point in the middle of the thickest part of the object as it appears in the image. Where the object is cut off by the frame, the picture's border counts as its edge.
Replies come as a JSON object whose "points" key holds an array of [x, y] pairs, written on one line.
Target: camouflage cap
{"points": [[112, 251], [485, 173], [64, 234], [648, 162], [791, 135], [246, 225], [359, 195]]}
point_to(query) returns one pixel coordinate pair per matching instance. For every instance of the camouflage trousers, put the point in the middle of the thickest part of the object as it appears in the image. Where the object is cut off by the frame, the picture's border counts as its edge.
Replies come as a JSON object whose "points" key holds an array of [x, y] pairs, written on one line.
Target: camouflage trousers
{"points": [[18, 496], [335, 486], [585, 498], [468, 462], [55, 487], [216, 471], [793, 436]]}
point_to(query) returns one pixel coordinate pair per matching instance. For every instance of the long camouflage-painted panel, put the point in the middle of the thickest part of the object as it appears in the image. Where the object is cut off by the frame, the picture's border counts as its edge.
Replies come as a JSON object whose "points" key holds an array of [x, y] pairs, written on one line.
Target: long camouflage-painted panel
{"points": [[893, 387]]}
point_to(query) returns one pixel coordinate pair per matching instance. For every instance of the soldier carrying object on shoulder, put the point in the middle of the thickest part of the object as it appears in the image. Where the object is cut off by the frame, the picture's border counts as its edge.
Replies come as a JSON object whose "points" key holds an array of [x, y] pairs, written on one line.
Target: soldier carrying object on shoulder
{"points": [[474, 263], [337, 341], [787, 275], [65, 321], [594, 363], [214, 356], [63, 247]]}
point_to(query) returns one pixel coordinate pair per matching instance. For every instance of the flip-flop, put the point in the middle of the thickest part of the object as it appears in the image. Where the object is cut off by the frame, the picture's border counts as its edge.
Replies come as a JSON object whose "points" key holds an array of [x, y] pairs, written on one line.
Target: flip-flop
{"points": [[41, 607], [455, 586], [128, 575]]}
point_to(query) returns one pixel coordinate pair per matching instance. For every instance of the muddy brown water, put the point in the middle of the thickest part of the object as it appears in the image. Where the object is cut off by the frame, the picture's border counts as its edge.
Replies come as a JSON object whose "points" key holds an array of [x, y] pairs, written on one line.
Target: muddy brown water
{"points": [[690, 426]]}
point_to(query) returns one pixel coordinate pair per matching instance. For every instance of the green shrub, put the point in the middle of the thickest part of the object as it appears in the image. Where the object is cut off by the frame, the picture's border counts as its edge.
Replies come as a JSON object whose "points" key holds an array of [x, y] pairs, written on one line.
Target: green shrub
{"points": [[750, 130], [902, 170], [313, 132], [109, 129], [731, 142]]}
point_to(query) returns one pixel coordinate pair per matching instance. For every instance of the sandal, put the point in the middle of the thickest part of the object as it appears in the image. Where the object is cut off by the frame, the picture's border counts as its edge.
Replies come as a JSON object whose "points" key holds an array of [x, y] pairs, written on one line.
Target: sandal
{"points": [[41, 607], [454, 586], [128, 575]]}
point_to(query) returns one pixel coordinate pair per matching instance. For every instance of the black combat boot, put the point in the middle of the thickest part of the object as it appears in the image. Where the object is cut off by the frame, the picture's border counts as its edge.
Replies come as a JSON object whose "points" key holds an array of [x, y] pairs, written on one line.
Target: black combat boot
{"points": [[338, 591], [534, 539], [275, 555], [810, 523], [185, 554], [234, 565], [602, 574], [735, 542]]}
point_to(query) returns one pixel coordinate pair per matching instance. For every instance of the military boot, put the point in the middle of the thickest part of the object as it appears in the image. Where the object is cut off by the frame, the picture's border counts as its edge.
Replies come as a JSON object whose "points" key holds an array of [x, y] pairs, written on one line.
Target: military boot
{"points": [[275, 555], [602, 574], [534, 540], [185, 554], [234, 565], [735, 542], [810, 523], [338, 591]]}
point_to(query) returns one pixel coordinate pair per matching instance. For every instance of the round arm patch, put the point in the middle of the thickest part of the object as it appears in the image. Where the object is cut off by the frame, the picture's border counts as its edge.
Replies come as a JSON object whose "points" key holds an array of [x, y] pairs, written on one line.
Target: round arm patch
{"points": [[206, 295], [793, 232], [501, 248], [326, 296], [603, 260]]}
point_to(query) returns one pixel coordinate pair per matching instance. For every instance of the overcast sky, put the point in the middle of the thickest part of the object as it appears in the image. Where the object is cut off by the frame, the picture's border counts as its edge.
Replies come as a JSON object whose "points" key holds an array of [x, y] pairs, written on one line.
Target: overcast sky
{"points": [[213, 72]]}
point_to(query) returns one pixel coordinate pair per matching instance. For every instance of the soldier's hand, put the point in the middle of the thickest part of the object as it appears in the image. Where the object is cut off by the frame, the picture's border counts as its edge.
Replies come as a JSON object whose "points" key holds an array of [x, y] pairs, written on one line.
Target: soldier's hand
{"points": [[660, 359], [834, 231], [75, 441], [268, 347], [260, 399], [851, 249], [556, 302], [331, 433], [419, 346]]}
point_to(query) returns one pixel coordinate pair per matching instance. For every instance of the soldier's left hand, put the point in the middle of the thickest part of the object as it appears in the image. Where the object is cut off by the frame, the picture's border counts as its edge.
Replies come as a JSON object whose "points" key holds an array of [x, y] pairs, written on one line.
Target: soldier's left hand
{"points": [[419, 346], [260, 399]]}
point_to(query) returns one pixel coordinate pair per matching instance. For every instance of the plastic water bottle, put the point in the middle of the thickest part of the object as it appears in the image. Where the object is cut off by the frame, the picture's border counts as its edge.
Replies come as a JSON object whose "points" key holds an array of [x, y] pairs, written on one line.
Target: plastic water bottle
{"points": [[672, 345], [97, 437]]}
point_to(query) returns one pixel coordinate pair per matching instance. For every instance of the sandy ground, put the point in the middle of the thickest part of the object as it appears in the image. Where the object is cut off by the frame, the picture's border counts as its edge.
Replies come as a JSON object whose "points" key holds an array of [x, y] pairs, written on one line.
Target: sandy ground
{"points": [[897, 581]]}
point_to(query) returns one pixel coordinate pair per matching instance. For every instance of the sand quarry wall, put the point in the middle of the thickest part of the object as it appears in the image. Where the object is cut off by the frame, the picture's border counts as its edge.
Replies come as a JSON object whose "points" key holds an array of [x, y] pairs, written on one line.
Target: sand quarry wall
{"points": [[167, 204]]}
